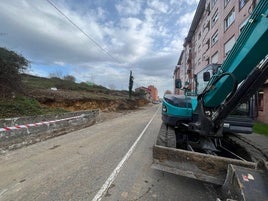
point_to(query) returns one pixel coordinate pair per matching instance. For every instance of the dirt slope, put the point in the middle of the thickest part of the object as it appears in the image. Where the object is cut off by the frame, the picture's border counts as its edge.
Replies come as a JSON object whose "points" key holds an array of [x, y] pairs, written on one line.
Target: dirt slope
{"points": [[83, 100]]}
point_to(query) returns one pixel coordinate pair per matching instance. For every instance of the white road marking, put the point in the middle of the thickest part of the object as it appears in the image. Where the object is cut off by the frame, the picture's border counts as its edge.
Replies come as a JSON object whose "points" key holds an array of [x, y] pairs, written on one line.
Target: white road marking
{"points": [[2, 192], [112, 177], [10, 189]]}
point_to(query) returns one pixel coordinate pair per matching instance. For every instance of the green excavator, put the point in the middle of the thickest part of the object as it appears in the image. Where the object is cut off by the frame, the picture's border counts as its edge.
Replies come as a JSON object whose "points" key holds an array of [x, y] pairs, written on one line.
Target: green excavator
{"points": [[192, 141]]}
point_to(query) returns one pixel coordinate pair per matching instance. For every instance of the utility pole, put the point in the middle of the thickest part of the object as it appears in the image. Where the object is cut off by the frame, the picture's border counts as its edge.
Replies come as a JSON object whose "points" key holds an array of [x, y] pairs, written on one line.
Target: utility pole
{"points": [[130, 86]]}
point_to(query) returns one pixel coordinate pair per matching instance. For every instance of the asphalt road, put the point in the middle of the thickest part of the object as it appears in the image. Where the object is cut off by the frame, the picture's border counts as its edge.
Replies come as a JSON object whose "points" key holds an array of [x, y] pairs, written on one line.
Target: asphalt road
{"points": [[107, 161]]}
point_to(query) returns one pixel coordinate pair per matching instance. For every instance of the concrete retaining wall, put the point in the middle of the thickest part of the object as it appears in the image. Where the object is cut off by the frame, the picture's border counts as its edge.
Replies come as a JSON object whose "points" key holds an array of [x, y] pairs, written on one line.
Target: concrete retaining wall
{"points": [[65, 122]]}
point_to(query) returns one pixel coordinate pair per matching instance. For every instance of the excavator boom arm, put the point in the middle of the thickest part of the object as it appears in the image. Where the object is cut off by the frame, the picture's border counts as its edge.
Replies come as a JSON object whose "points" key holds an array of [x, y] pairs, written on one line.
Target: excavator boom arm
{"points": [[249, 49]]}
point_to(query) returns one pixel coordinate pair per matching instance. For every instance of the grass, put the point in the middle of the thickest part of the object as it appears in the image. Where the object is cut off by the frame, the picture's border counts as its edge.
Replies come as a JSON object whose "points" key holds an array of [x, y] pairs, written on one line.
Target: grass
{"points": [[24, 106], [34, 82], [97, 92], [260, 128]]}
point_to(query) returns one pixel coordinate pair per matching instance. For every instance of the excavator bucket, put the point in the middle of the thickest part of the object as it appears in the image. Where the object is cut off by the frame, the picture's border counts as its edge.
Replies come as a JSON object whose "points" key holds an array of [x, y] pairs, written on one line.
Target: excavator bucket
{"points": [[204, 167], [240, 180], [246, 184]]}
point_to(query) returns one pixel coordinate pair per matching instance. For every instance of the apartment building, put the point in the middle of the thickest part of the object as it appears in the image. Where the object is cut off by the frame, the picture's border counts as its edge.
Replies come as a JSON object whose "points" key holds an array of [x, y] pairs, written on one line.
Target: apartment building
{"points": [[154, 92], [212, 34]]}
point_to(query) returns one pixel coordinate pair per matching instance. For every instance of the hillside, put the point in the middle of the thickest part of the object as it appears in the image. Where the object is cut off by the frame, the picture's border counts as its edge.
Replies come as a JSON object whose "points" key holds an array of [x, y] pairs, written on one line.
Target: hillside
{"points": [[53, 95]]}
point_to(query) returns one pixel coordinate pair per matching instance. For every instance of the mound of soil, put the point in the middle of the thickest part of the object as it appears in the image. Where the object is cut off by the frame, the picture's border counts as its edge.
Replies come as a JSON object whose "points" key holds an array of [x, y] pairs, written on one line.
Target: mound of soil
{"points": [[82, 100]]}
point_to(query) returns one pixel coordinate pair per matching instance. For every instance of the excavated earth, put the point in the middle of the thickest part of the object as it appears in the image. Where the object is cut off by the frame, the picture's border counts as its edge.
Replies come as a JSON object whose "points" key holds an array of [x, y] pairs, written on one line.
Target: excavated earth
{"points": [[83, 100]]}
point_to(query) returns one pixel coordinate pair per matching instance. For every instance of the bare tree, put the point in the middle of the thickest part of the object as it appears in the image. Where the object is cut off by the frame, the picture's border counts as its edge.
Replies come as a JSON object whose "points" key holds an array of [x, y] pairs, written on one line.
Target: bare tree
{"points": [[69, 78], [112, 87], [56, 74]]}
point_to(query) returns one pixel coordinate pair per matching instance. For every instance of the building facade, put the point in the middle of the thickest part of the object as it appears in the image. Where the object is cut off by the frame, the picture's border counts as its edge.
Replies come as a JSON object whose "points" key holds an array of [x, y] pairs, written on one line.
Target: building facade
{"points": [[263, 104], [154, 92], [212, 34]]}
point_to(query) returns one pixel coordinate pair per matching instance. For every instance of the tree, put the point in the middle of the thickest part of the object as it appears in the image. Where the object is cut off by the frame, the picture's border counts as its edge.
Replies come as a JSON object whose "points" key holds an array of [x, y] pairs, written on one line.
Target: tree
{"points": [[69, 78], [11, 67], [130, 85], [112, 87], [56, 74]]}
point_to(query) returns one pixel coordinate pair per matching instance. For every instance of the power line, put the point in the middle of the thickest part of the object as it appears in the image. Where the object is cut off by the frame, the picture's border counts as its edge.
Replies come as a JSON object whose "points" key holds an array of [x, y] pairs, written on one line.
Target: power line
{"points": [[82, 31]]}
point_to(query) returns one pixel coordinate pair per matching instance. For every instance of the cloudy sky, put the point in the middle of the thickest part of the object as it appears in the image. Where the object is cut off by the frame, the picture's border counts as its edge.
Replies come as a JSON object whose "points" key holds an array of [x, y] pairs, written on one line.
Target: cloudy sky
{"points": [[99, 40]]}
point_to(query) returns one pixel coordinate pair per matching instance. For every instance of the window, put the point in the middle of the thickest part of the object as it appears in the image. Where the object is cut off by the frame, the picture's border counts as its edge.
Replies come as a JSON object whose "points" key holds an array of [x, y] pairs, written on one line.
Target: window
{"points": [[206, 25], [214, 58], [199, 62], [206, 45], [214, 18], [199, 35], [226, 2], [229, 19], [208, 9], [213, 2], [206, 59], [260, 100], [242, 3], [242, 25], [214, 38], [228, 45]]}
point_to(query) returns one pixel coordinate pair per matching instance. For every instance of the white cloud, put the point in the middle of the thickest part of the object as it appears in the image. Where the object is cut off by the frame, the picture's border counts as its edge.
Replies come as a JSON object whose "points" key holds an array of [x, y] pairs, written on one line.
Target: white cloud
{"points": [[128, 7], [142, 35], [130, 23], [184, 2], [101, 13], [186, 19], [59, 63], [159, 6], [192, 2], [175, 45]]}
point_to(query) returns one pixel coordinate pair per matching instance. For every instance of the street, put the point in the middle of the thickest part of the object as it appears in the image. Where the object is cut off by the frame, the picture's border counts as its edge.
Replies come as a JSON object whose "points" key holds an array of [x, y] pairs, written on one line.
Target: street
{"points": [[110, 160]]}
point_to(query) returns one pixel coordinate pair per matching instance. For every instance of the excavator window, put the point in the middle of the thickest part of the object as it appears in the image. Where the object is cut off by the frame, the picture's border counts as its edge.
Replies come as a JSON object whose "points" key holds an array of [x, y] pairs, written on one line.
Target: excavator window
{"points": [[206, 76]]}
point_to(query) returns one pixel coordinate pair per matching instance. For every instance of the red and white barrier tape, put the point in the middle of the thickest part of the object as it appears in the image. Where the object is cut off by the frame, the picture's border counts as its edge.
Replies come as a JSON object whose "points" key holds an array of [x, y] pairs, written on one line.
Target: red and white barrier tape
{"points": [[37, 124]]}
